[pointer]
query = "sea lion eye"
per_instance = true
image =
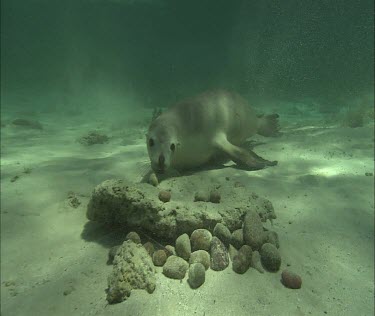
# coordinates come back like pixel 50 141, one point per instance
pixel 151 142
pixel 173 147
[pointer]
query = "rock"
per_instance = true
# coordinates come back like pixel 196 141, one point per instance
pixel 73 199
pixel 219 255
pixel 112 253
pixel 134 237
pixel 200 256
pixel 215 197
pixel 132 269
pixel 240 264
pixel 27 123
pixel 270 257
pixel 201 196
pixel 164 196
pixel 242 260
pixel 170 250
pixel 256 262
pixel 69 290
pixel 124 203
pixel 201 240
pixel 232 252
pixel 237 238
pixel 175 267
pixel 253 233
pixel 247 251
pixel 183 247
pixel 159 258
pixel 93 138
pixel 153 180
pixel 272 238
pixel 266 211
pixel 291 280
pixel 15 178
pixel 149 248
pixel 222 232
pixel 197 275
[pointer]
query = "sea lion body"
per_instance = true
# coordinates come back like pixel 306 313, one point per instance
pixel 205 128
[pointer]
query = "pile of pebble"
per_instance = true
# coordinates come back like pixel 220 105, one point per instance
pixel 251 246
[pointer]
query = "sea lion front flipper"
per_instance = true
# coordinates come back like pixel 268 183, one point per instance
pixel 246 159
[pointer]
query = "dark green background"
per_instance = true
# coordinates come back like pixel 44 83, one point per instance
pixel 163 50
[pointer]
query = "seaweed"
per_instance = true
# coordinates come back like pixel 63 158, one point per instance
pixel 156 113
pixel 93 138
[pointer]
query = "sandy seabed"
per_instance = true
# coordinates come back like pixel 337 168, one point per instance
pixel 54 263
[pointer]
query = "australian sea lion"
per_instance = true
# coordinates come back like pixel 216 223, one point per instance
pixel 209 127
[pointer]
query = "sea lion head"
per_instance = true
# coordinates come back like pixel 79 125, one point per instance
pixel 161 146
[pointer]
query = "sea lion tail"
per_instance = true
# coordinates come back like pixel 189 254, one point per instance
pixel 269 125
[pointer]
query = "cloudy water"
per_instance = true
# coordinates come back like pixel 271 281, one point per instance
pixel 81 82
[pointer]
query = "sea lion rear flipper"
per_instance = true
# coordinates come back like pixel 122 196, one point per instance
pixel 259 159
pixel 246 159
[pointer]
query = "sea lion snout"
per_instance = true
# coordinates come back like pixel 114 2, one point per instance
pixel 161 163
